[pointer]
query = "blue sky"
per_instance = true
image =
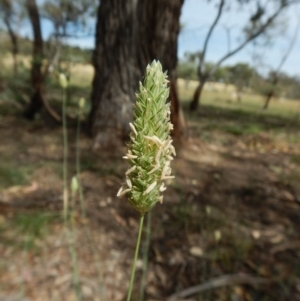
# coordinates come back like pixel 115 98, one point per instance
pixel 196 17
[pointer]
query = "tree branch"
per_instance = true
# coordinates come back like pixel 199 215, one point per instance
pixel 202 57
pixel 250 38
pixel 286 55
pixel 225 280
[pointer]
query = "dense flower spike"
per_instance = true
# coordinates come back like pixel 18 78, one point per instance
pixel 150 149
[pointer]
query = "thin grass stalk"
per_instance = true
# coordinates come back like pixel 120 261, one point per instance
pixel 70 234
pixel 207 228
pixel 150 150
pixel 78 168
pixel 70 230
pixel 137 247
pixel 97 261
pixel 73 252
pixel 24 264
pixel 83 207
pixel 145 255
pixel 65 157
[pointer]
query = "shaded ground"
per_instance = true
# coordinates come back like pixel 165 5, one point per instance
pixel 233 208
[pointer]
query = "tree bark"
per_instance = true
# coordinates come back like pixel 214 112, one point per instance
pixel 36 101
pixel 272 92
pixel 158 35
pixel 268 99
pixel 197 94
pixel 129 35
pixel 116 76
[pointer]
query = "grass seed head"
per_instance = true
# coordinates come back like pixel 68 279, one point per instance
pixel 74 185
pixel 150 148
pixel 63 82
pixel 81 103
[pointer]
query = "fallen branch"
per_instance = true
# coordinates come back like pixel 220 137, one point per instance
pixel 51 111
pixel 224 280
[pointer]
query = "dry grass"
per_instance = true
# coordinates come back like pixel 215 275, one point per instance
pixel 214 94
pixel 220 95
pixel 81 75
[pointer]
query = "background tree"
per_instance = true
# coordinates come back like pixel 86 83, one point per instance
pixel 186 71
pixel 160 42
pixel 129 35
pixel 259 22
pixel 68 19
pixel 240 75
pixel 274 75
pixel 37 80
pixel 10 18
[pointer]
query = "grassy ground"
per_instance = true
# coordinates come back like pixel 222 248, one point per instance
pixel 221 96
pixel 232 210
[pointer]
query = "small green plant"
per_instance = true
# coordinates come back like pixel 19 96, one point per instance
pixel 242 129
pixel 150 149
pixel 32 226
pixel 76 190
pixel 10 175
pixel 296 159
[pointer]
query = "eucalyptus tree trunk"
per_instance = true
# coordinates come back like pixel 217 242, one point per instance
pixel 158 34
pixel 271 93
pixel 116 75
pixel 129 35
pixel 197 95
pixel 36 101
pixel 267 101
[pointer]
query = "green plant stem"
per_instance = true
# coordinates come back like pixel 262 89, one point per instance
pixel 72 247
pixel 145 255
pixel 78 169
pixel 65 156
pixel 70 234
pixel 24 264
pixel 97 260
pixel 83 208
pixel 137 247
